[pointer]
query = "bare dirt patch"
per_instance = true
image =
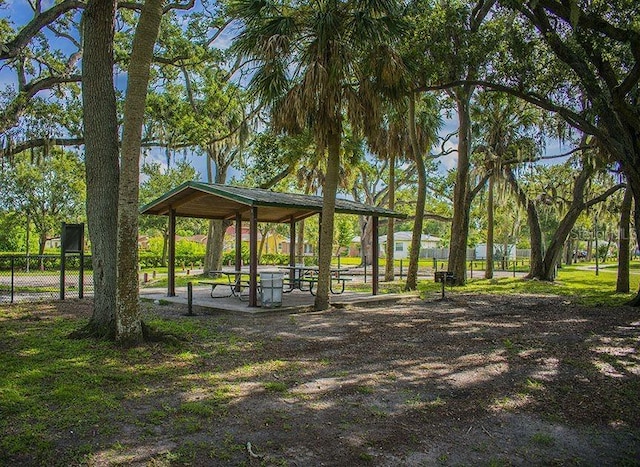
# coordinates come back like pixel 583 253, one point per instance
pixel 469 380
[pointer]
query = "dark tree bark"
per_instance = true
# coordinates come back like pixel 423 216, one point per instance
pixel 416 233
pixel 366 251
pixel 488 271
pixel 533 221
pixel 217 227
pixel 461 194
pixel 390 246
pixel 101 160
pixel 546 269
pixel 329 191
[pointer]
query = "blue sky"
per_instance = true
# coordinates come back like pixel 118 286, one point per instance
pixel 19 12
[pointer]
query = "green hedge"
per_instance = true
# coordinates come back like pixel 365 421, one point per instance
pixel 148 259
pixel 276 259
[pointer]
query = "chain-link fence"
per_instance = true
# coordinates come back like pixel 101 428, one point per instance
pixel 44 277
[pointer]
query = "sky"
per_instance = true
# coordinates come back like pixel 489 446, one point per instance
pixel 18 12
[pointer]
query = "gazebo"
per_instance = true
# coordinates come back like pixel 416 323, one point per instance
pixel 226 202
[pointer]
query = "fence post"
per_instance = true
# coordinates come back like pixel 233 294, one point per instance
pixel 13 264
pixel 471 269
pixel 81 276
pixel 190 298
pixel 401 270
pixel 365 269
pixel 62 272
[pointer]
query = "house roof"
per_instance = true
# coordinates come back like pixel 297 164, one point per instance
pixel 407 236
pixel 402 236
pixel 215 201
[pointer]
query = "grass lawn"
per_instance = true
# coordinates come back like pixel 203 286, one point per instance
pixel 353 387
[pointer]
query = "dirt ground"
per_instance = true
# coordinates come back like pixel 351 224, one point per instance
pixel 468 380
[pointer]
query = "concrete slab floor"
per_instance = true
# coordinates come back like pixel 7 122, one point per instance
pixel 295 301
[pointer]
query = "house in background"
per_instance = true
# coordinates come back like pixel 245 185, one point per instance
pixel 402 241
pixel 500 251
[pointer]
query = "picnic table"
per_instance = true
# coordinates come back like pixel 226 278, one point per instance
pixel 304 278
pixel 231 279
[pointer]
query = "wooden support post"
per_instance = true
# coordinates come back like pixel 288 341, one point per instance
pixel 171 276
pixel 253 258
pixel 292 242
pixel 375 266
pixel 238 258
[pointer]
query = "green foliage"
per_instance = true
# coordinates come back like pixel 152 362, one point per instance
pixel 157 181
pixel 274 258
pixel 187 248
pixel 229 257
pixel 49 190
pixel 345 229
pixel 12 231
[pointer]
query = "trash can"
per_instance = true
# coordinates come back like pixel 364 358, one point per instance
pixel 271 289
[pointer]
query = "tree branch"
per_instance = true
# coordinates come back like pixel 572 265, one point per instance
pixel 605 195
pixel 572 117
pixel 130 6
pixel 38 143
pixel 12 48
pixel 179 6
pixel 14 109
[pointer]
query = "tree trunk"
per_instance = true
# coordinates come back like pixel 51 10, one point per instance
pixel 128 314
pixel 42 242
pixel 215 243
pixel 326 226
pixel 488 271
pixel 633 181
pixel 533 221
pixel 366 251
pixel 390 247
pixel 622 283
pixel 554 251
pixel 165 248
pixel 461 201
pixel 300 241
pixel 421 195
pixel 101 161
pixel 217 228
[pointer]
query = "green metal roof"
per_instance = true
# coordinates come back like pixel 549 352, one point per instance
pixel 214 201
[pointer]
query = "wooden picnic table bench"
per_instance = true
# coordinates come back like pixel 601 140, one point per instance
pixel 233 280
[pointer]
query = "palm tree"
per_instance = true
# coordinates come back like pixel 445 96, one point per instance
pixel 128 314
pixel 504 128
pixel 390 142
pixel 306 57
pixel 423 127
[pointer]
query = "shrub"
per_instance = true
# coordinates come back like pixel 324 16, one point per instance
pixel 277 259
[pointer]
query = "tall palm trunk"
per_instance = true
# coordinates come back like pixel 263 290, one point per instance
pixel 461 201
pixel 128 315
pixel 390 247
pixel 416 236
pixel 326 227
pixel 488 271
pixel 101 160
